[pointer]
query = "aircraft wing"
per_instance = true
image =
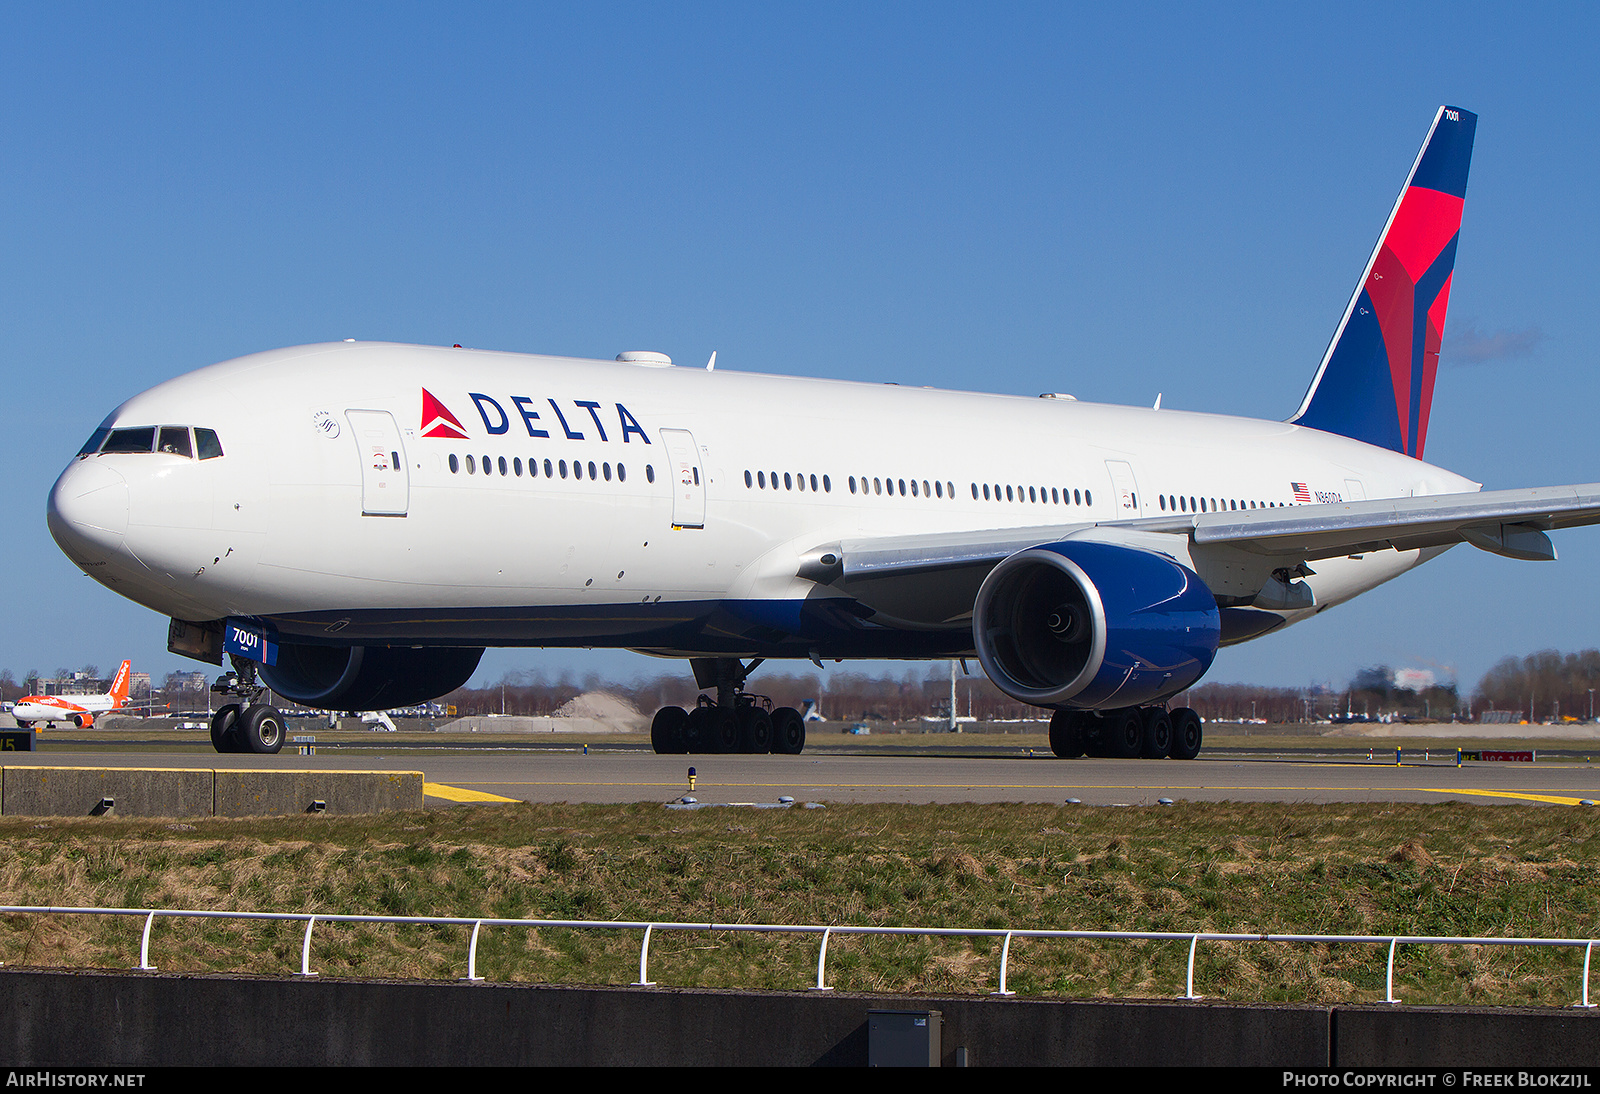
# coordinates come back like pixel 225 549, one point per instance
pixel 932 580
pixel 1505 522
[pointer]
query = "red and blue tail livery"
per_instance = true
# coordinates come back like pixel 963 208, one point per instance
pixel 1376 380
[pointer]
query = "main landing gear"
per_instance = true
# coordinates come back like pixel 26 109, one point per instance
pixel 732 722
pixel 1128 733
pixel 249 726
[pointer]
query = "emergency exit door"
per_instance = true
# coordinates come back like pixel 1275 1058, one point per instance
pixel 385 483
pixel 1124 489
pixel 688 479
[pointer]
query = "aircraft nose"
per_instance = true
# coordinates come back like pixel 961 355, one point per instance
pixel 88 510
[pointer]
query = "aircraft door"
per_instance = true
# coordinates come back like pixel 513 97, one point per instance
pixel 1123 488
pixel 385 481
pixel 688 479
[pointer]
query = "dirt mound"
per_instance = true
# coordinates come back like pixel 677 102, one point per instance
pixel 598 704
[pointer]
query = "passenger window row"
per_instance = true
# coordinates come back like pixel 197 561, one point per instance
pixel 489 465
pixel 1037 495
pixel 890 486
pixel 174 440
pixel 768 480
pixel 1180 504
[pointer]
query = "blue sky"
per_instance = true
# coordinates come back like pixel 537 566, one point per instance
pixel 1020 198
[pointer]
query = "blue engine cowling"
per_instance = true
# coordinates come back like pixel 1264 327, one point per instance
pixel 367 677
pixel 1094 626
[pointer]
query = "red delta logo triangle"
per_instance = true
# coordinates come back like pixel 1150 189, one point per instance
pixel 437 421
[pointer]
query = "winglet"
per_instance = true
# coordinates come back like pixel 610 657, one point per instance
pixel 1375 383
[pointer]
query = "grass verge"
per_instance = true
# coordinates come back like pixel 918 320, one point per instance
pixel 1447 869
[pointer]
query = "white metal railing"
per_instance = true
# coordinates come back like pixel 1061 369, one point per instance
pixel 1194 938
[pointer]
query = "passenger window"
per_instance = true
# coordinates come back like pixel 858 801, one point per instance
pixel 502 465
pixel 516 465
pixel 622 473
pixel 649 472
pixel 563 467
pixel 548 469
pixel 175 441
pixel 455 464
pixel 471 467
pixel 748 480
pixel 131 440
pixel 606 467
pixel 813 484
pixel 591 470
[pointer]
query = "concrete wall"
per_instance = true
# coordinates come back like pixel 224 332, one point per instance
pixel 146 1020
pixel 198 792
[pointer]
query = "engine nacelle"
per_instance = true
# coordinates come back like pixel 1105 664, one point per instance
pixel 1094 626
pixel 368 677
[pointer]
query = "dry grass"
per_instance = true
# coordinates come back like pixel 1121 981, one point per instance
pixel 1342 869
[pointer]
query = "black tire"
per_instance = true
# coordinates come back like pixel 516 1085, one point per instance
pixel 222 727
pixel 722 730
pixel 1124 733
pixel 755 730
pixel 260 729
pixel 1066 734
pixel 1187 732
pixel 695 731
pixel 1156 740
pixel 667 731
pixel 788 731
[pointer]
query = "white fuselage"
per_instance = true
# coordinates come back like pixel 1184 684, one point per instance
pixel 62 708
pixel 658 543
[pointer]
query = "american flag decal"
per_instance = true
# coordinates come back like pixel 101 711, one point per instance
pixel 1300 492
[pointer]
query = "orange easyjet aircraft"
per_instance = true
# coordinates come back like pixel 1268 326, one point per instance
pixel 77 709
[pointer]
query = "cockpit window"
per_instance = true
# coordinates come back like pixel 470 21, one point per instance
pixel 206 441
pixel 96 439
pixel 174 441
pixel 131 440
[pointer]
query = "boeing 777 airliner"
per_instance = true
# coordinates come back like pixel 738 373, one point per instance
pixel 1093 558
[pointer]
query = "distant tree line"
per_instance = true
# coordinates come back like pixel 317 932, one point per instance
pixel 1544 686
pixel 843 696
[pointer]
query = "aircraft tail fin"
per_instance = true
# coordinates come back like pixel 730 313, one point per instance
pixel 119 686
pixel 1375 383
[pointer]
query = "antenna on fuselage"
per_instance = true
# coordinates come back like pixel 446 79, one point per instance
pixel 1158 402
pixel 711 365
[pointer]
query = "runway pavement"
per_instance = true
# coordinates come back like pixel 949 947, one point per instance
pixel 636 775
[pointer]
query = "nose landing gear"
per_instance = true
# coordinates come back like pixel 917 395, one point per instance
pixel 249 726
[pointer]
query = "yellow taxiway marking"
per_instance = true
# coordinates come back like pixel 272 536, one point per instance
pixel 704 783
pixel 1551 799
pixel 456 794
pixel 439 790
